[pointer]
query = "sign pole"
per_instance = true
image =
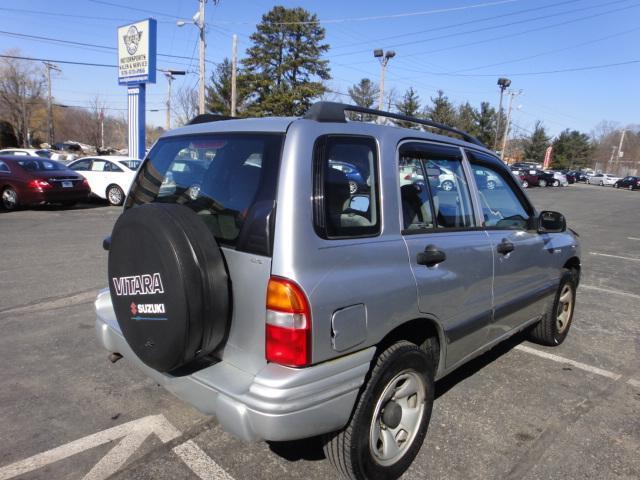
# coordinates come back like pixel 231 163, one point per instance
pixel 137 137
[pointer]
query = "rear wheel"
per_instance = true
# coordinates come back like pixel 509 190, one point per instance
pixel 630 187
pixel 601 183
pixel 115 195
pixel 9 198
pixel 447 185
pixel 556 183
pixel 353 187
pixel 554 326
pixel 390 419
pixel 543 183
pixel 491 185
pixel 525 184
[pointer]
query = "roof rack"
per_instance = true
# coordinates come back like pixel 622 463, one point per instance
pixel 335 112
pixel 208 117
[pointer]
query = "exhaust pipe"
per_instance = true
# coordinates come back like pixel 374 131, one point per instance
pixel 114 357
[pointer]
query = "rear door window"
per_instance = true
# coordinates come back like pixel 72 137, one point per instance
pixel 227 179
pixel 4 167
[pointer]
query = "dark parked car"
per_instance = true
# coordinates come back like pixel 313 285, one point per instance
pixel 357 183
pixel 31 181
pixel 580 176
pixel 544 178
pixel 629 182
pixel 527 179
pixel 571 176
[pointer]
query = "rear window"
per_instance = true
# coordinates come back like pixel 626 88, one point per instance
pixel 43 153
pixel 227 179
pixel 40 165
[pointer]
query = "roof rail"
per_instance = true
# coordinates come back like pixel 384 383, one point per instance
pixel 208 117
pixel 335 112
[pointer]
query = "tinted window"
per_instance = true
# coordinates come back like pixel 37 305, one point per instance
pixel 499 200
pixel 132 164
pixel 4 167
pixel 225 178
pixel 81 164
pixel 40 165
pixel 443 176
pixel 346 187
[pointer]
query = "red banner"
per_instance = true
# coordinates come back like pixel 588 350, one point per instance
pixel 547 158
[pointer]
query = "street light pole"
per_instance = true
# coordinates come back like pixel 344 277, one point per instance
pixel 234 73
pixel 384 60
pixel 503 83
pixel 170 74
pixel 49 67
pixel 198 21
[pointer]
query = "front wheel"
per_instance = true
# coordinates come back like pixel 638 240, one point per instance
pixel 9 198
pixel 115 195
pixel 556 183
pixel 615 185
pixel 525 184
pixel 554 326
pixel 543 183
pixel 630 187
pixel 390 419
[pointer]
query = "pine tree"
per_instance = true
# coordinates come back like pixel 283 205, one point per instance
pixel 441 110
pixel 363 94
pixel 486 124
pixel 467 119
pixel 536 145
pixel 283 68
pixel 218 92
pixel 410 106
pixel 571 149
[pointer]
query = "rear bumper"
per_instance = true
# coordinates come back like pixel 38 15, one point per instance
pixel 56 196
pixel 277 403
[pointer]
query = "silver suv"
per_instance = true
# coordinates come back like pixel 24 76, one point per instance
pixel 313 276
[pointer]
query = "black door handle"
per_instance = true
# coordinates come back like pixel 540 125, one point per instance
pixel 505 246
pixel 431 256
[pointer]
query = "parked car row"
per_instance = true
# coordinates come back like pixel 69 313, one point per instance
pixel 535 177
pixel 29 179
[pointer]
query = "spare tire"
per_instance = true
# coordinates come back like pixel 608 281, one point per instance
pixel 169 285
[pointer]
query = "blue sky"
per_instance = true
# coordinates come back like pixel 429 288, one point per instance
pixel 459 46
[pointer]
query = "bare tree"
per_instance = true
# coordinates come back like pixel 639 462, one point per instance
pixel 186 105
pixel 21 85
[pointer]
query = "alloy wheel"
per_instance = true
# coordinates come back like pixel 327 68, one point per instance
pixel 9 198
pixel 565 308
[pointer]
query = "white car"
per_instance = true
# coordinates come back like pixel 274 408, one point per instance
pixel 109 177
pixel 602 179
pixel 31 152
pixel 559 178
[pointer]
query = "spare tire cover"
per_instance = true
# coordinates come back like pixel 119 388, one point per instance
pixel 169 285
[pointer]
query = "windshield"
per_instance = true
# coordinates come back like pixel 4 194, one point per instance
pixel 131 164
pixel 40 165
pixel 219 176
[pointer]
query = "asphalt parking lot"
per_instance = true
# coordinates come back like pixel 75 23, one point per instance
pixel 519 412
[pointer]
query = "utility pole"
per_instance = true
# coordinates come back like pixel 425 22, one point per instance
pixel 49 67
pixel 170 74
pixel 234 73
pixel 512 95
pixel 102 129
pixel 198 21
pixel 620 151
pixel 503 83
pixel 384 58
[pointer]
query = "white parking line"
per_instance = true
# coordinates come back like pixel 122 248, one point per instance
pixel 634 382
pixel 633 259
pixel 633 238
pixel 573 363
pixel 609 291
pixel 199 462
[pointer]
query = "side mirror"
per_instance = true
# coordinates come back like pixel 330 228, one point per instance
pixel 551 222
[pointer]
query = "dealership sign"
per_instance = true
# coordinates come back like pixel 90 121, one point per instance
pixel 137 52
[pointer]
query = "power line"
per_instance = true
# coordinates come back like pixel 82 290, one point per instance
pixel 494 27
pixel 82 44
pixel 461 24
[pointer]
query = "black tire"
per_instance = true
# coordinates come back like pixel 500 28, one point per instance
pixel 69 204
pixel 615 185
pixel 542 183
pixel 556 183
pixel 115 195
pixel 169 285
pixel 549 331
pixel 350 451
pixel 630 187
pixel 447 186
pixel 10 199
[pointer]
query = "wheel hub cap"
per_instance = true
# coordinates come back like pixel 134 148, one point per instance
pixel 565 308
pixel 397 417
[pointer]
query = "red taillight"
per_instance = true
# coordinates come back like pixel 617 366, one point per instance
pixel 288 329
pixel 38 184
pixel 85 183
pixel 407 177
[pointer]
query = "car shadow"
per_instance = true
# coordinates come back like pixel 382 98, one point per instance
pixel 88 205
pixel 310 449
